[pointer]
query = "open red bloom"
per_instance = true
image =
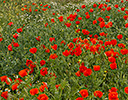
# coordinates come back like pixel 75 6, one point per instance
pixel 23 73
pixel 57 86
pixel 15 44
pixel 113 66
pixel 120 36
pixel 113 96
pixel 124 51
pixel 10 24
pixel 43 87
pixel 34 91
pixel 33 50
pixel 83 6
pixel 42 97
pixel 78 73
pixel 126 90
pixel 112 59
pixel 44 71
pixel 14 87
pixel 84 93
pixel 42 62
pixel 54 47
pixel 66 53
pixel 96 67
pixel 53 56
pixel 113 89
pixel 82 68
pixel 10 47
pixel 85 32
pixel 87 72
pixel 15 36
pixel 98 94
pixel 19 30
pixel 4 94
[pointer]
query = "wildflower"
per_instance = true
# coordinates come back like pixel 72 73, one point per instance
pixel 98 94
pixel 42 62
pixel 34 91
pixel 19 30
pixel 126 90
pixel 84 93
pixel 44 71
pixel 113 66
pixel 33 50
pixel 96 67
pixel 42 97
pixel 23 73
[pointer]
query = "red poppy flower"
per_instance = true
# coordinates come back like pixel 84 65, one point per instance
pixel 83 6
pixel 94 5
pixel 42 62
pixel 15 36
pixel 66 53
pixel 68 24
pixel 112 59
pixel 21 99
pixel 78 73
pixel 4 94
pixel 23 73
pixel 120 36
pixel 126 25
pixel 122 9
pixel 96 67
pixel 113 89
pixel 102 24
pixel 87 72
pixel 10 24
pixel 124 51
pixel 3 78
pixel 57 86
pixel 87 16
pixel 43 87
pixel 113 66
pixel 108 8
pixel 84 93
pixel 51 39
pixel 113 96
pixel 44 71
pixel 10 47
pixel 38 38
pixel 126 90
pixel 33 50
pixel 53 56
pixel 77 22
pixel 98 94
pixel 94 22
pixel 121 45
pixel 77 51
pixel 54 47
pixel 78 10
pixel 116 5
pixel 42 97
pixel 85 32
pixel 79 18
pixel 19 30
pixel 82 68
pixel 34 91
pixel 52 20
pixel 15 44
pixel 14 87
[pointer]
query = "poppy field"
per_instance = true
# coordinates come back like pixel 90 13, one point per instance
pixel 69 51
